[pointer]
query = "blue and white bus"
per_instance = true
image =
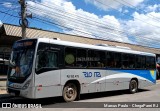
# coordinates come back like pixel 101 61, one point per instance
pixel 42 67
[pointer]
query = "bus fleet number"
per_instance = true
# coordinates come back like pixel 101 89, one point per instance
pixel 92 74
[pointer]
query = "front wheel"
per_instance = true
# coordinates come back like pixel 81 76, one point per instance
pixel 133 86
pixel 69 92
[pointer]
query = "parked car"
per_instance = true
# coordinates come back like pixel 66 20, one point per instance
pixel 158 70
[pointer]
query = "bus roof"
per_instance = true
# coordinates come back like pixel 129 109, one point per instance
pixel 81 45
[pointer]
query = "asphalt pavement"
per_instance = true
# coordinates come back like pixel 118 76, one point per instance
pixel 149 94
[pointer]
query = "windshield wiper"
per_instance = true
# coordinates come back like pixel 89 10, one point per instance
pixel 13 77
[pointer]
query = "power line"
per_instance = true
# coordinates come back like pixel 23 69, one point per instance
pixel 64 15
pixel 89 25
pixel 11 8
pixel 9 14
pixel 14 2
pixel 83 17
pixel 77 30
pixel 5 19
pixel 103 38
pixel 92 34
pixel 127 14
pixel 80 17
pixel 155 44
pixel 83 32
pixel 138 9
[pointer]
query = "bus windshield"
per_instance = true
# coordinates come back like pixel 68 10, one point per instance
pixel 21 61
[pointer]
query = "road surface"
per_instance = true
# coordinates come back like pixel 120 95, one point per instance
pixel 149 94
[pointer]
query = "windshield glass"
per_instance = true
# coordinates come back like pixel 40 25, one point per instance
pixel 21 61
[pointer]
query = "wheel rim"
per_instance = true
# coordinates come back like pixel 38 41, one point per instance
pixel 70 92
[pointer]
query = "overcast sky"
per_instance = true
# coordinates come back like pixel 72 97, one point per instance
pixel 131 21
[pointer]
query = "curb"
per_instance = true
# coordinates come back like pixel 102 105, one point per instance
pixel 3 79
pixel 158 82
pixel 3 92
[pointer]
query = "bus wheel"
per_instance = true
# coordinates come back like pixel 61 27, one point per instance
pixel 69 92
pixel 133 86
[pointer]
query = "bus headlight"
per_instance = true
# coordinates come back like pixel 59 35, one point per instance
pixel 26 85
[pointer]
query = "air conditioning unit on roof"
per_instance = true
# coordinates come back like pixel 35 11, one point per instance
pixel 56 38
pixel 106 45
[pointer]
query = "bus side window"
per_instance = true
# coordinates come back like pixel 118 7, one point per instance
pixel 113 60
pixel 47 59
pixel 70 57
pixel 81 58
pixel 125 60
pixel 128 61
pixel 96 59
pixel 117 60
pixel 42 59
pixel 150 63
pixel 52 59
pixel 110 59
pixel 153 65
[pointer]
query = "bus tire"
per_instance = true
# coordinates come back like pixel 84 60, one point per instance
pixel 133 86
pixel 70 92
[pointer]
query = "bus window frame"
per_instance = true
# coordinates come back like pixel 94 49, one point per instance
pixel 63 65
pixel 75 48
pixel 42 70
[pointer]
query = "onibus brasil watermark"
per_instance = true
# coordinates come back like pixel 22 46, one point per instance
pixel 13 105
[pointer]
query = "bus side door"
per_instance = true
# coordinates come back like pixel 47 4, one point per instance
pixel 47 78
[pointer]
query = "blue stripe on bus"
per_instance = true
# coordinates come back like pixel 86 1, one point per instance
pixel 148 74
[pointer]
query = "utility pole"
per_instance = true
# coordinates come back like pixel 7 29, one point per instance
pixel 23 21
